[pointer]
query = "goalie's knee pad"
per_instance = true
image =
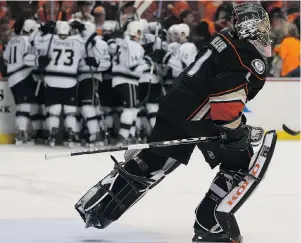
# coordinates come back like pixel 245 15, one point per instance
pixel 230 189
pixel 124 186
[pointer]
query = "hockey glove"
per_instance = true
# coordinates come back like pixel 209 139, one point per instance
pixel 91 61
pixel 238 138
pixel 157 55
pixel 47 28
pixel 43 61
pixel 241 138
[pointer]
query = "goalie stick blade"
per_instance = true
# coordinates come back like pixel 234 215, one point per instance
pixel 289 131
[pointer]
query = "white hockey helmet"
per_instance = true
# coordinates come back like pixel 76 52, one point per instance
pixel 134 29
pixel 90 28
pixel 171 33
pixel 144 24
pixel 152 26
pixel 29 25
pixel 62 28
pixel 182 30
pixel 109 26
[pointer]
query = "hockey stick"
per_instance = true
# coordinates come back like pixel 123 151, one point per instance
pixel 134 146
pixel 289 131
pixel 142 7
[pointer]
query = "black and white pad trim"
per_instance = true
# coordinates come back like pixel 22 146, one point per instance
pixel 259 165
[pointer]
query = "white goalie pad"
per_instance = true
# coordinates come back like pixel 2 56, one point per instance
pixel 258 168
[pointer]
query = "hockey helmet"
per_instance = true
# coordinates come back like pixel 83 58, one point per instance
pixel 171 37
pixel 153 26
pixel 90 28
pixel 29 25
pixel 250 21
pixel 62 28
pixel 182 32
pixel 109 26
pixel 134 29
pixel 144 24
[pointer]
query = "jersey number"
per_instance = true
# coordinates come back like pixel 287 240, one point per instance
pixel 68 53
pixel 13 55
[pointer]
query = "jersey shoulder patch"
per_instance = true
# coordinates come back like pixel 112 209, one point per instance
pixel 258 65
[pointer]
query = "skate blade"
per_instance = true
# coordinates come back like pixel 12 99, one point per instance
pixel 52 144
pixel 31 143
pixel 73 145
pixel 18 142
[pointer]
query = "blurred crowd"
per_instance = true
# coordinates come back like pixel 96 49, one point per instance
pixel 138 48
pixel 204 18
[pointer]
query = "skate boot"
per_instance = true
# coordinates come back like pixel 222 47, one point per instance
pixel 95 140
pixel 122 141
pixel 72 138
pixel 40 137
pixel 205 236
pixel 21 137
pixel 52 139
pixel 133 140
pixel 138 137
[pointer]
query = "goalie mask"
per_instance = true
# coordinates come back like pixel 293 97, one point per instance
pixel 250 21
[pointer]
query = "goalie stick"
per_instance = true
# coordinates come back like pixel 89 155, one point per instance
pixel 289 131
pixel 133 147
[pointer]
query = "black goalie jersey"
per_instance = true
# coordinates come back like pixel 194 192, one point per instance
pixel 216 86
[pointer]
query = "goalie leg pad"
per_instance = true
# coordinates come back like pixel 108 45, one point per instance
pixel 238 195
pixel 122 188
pixel 228 191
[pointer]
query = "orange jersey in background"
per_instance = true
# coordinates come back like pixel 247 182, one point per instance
pixel 289 52
pixel 292 17
pixel 273 4
pixel 208 9
pixel 44 13
pixel 179 7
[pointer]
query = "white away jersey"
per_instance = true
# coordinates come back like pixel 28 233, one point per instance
pixel 65 57
pixel 127 65
pixel 100 52
pixel 14 53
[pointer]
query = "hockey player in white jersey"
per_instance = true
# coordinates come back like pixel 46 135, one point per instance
pixel 187 50
pixel 95 61
pixel 111 104
pixel 126 72
pixel 149 82
pixel 171 45
pixel 60 77
pixel 20 78
pixel 181 53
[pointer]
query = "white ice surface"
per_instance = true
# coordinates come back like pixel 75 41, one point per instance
pixel 45 192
